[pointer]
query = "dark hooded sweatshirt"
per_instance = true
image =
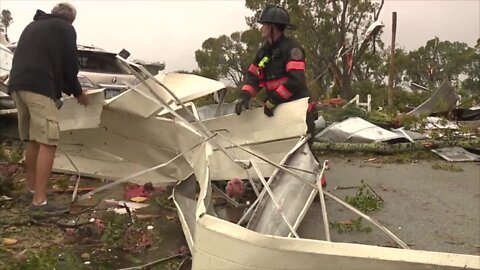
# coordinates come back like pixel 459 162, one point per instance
pixel 45 60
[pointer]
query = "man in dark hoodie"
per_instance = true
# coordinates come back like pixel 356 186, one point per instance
pixel 45 65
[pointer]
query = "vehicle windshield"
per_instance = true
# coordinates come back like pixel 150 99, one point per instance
pixel 100 62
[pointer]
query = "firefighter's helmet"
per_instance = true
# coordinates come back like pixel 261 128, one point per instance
pixel 275 15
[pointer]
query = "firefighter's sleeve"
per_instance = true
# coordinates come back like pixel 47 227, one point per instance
pixel 253 77
pixel 296 80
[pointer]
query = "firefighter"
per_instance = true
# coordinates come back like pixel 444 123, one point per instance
pixel 279 67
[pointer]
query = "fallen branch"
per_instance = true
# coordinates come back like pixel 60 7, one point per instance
pixel 67 190
pixel 384 148
pixel 65 225
pixel 147 216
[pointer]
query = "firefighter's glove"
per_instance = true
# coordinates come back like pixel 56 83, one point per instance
pixel 268 108
pixel 243 103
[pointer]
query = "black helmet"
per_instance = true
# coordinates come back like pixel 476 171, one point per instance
pixel 275 15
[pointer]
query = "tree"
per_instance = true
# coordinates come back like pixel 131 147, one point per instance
pixel 472 83
pixel 330 31
pixel 6 20
pixel 228 57
pixel 437 61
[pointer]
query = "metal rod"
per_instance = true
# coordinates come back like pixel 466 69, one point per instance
pixel 322 202
pixel 269 191
pixel 299 177
pixel 203 129
pixel 290 167
pixel 77 184
pixel 302 214
pixel 220 103
pixel 249 209
pixel 274 164
pixel 252 183
pixel 226 197
pixel 259 198
pixel 371 220
pixel 249 177
pixel 107 186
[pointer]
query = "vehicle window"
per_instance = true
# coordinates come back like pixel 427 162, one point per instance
pixel 100 62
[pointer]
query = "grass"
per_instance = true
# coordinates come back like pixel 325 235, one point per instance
pixel 350 225
pixel 10 155
pixel 49 258
pixel 365 199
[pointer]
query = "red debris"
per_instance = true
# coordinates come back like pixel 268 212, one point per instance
pixel 333 102
pixel 235 188
pixel 323 181
pixel 145 241
pixel 135 190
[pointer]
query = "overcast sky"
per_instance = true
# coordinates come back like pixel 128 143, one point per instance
pixel 171 31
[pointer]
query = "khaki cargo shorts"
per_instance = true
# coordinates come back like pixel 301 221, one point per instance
pixel 37 117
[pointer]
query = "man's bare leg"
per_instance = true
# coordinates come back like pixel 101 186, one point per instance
pixel 31 162
pixel 46 154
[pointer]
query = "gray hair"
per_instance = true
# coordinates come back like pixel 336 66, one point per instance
pixel 65 10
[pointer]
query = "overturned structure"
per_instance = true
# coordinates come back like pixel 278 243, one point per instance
pixel 153 132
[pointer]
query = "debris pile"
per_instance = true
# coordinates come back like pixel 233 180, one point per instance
pixel 438 125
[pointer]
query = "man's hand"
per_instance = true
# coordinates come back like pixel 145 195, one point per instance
pixel 268 108
pixel 83 99
pixel 243 102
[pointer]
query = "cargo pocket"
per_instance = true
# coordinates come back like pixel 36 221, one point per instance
pixel 53 130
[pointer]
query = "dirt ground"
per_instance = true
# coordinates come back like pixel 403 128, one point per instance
pixel 427 205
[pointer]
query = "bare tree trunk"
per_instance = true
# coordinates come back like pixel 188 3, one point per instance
pixel 391 69
pixel 347 92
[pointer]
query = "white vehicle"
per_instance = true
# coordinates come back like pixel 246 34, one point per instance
pixel 6 57
pixel 102 68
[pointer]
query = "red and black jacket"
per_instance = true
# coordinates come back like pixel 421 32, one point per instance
pixel 280 68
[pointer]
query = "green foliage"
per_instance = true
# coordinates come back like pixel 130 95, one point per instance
pixel 228 57
pixel 365 199
pixel 437 61
pixel 6 183
pixel 340 114
pixel 379 117
pixel 10 154
pixel 472 84
pixel 120 232
pixel 377 90
pixel 411 122
pixel 408 157
pixel 51 258
pixel 350 225
pixel 166 203
pixel 406 101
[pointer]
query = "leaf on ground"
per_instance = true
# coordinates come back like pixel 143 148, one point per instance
pixel 9 241
pixel 138 199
